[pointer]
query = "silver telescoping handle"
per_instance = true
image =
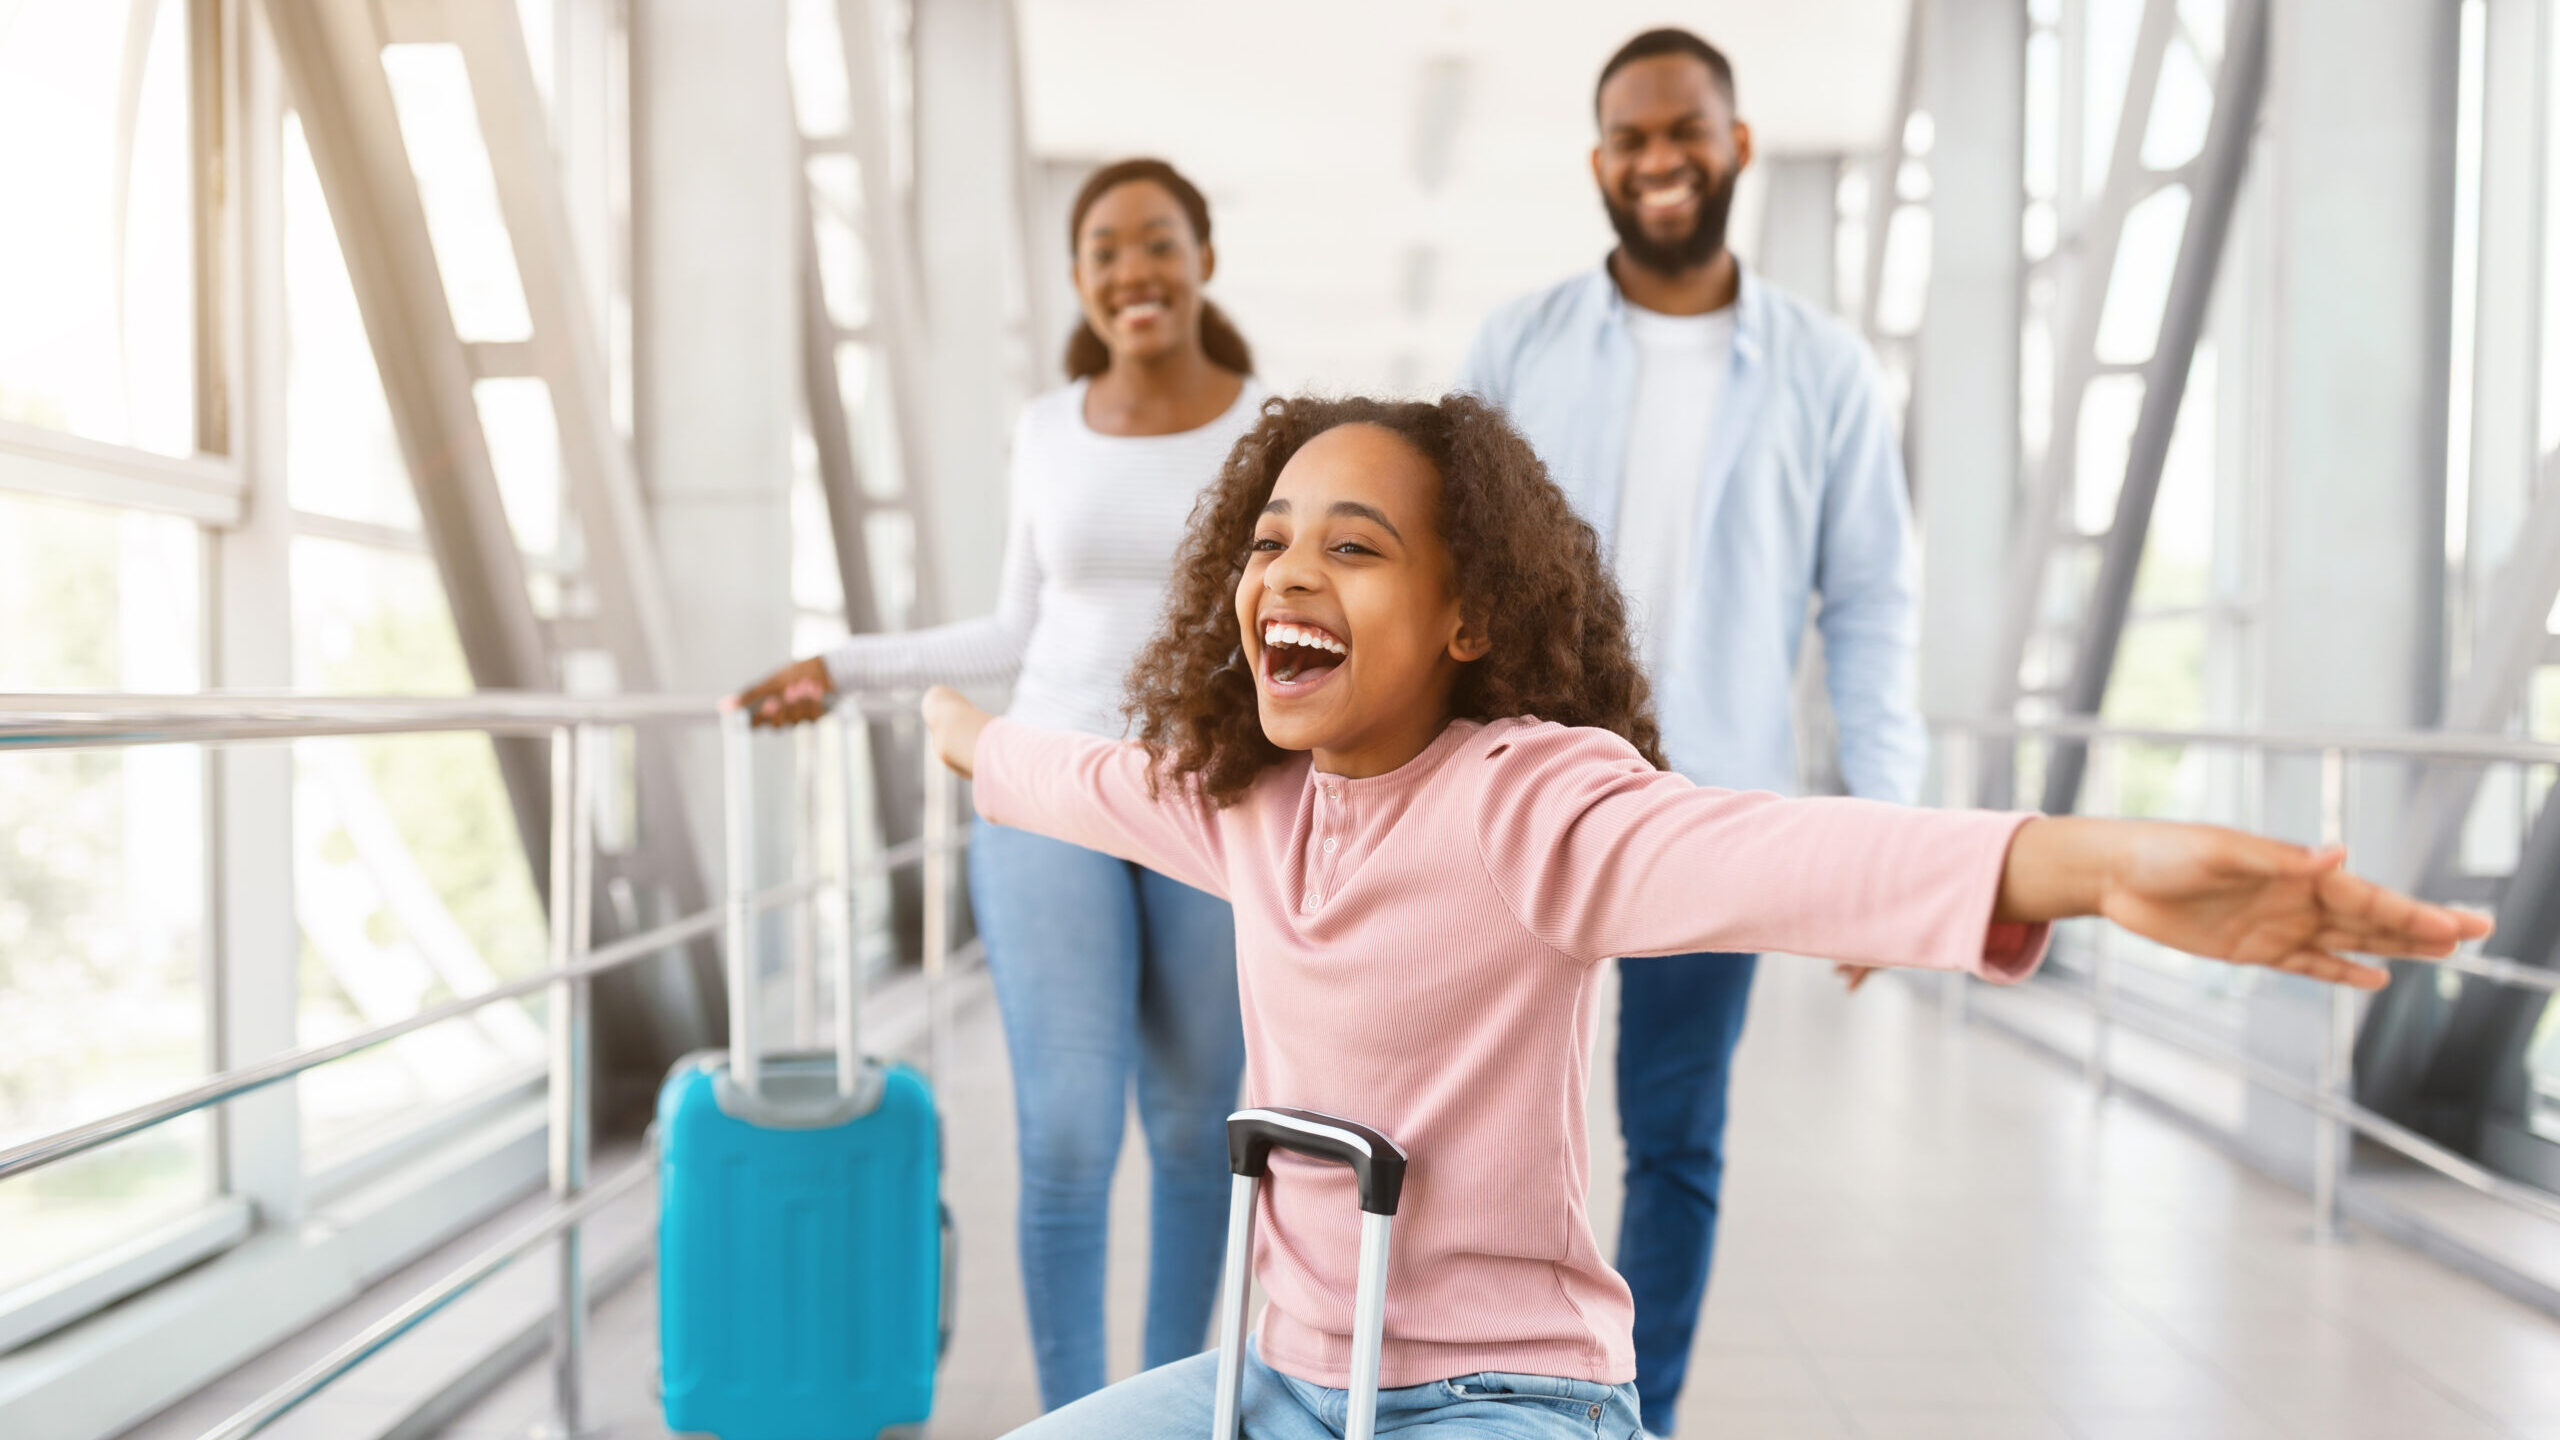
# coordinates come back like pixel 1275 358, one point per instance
pixel 941 805
pixel 1377 1165
pixel 737 811
pixel 840 914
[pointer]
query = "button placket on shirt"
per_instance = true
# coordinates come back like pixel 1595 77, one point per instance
pixel 1332 817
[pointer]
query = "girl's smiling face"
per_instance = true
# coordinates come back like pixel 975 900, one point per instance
pixel 1348 605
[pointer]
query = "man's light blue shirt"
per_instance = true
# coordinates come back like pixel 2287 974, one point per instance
pixel 1802 496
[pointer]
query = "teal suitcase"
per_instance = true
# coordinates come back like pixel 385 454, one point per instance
pixel 803 1248
pixel 800 1254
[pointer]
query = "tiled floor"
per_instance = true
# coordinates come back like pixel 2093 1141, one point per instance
pixel 1929 1232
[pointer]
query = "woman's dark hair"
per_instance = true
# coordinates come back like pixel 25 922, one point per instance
pixel 1528 573
pixel 1086 354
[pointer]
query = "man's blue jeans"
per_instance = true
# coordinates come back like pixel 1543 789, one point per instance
pixel 1679 1018
pixel 1107 974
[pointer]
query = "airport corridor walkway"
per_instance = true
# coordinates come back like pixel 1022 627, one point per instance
pixel 1930 1232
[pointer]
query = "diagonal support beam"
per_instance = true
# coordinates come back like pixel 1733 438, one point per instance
pixel 2513 641
pixel 2216 193
pixel 2085 303
pixel 897 308
pixel 331 55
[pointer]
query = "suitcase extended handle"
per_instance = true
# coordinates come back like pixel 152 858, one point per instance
pixel 1377 1164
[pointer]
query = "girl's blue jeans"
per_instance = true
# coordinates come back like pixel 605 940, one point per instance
pixel 1178 1402
pixel 1109 974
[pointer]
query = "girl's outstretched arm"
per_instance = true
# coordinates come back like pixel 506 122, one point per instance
pixel 1078 788
pixel 2223 894
pixel 956 725
pixel 1599 854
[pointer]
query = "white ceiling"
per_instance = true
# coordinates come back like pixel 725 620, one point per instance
pixel 1302 122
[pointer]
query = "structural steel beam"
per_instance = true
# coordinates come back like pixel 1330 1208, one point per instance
pixel 331 52
pixel 2084 304
pixel 2213 196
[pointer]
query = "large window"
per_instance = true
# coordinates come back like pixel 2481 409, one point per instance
pixel 97 329
pixel 406 881
pixel 102 905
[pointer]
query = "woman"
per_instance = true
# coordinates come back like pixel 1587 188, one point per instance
pixel 1105 972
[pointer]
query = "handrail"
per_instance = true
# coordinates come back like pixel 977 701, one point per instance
pixel 2329 1097
pixel 2455 745
pixel 275 1404
pixel 116 719
pixel 229 1084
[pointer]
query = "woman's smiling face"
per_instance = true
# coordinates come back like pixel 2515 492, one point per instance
pixel 1138 271
pixel 1348 606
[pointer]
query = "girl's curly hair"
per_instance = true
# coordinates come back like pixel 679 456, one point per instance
pixel 1529 577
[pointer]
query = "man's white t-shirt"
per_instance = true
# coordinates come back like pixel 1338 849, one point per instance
pixel 1681 363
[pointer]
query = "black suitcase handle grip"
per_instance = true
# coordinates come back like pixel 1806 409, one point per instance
pixel 1376 1162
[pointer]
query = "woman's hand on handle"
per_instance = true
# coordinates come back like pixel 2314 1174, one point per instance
pixel 2225 895
pixel 955 724
pixel 793 695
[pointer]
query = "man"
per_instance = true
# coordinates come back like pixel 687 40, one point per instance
pixel 1732 445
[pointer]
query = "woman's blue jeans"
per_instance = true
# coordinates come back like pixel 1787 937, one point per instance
pixel 1108 974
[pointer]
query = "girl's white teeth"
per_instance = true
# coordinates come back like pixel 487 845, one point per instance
pixel 1278 634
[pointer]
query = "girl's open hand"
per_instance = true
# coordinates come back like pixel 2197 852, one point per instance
pixel 955 724
pixel 793 695
pixel 2226 895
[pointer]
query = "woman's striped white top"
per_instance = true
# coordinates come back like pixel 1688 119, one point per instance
pixel 1088 559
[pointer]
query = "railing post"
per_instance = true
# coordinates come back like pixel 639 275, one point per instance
pixel 2331 1139
pixel 572 934
pixel 1959 786
pixel 737 806
pixel 841 917
pixel 940 800
pixel 2107 760
pixel 804 844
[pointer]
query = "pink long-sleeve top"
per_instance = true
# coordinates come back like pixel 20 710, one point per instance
pixel 1419 951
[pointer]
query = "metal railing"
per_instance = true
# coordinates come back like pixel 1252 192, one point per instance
pixel 2329 1096
pixel 576 728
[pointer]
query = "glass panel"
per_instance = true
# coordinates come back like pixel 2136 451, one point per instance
pixel 440 126
pixel 2110 28
pixel 101 882
pixel 844 267
pixel 524 448
pixel 97 284
pixel 817 69
pixel 2180 110
pixel 816 584
pixel 410 881
pixel 864 383
pixel 2146 258
pixel 342 457
pixel 371 622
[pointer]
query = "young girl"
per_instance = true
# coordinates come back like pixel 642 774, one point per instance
pixel 1393 716
pixel 1111 977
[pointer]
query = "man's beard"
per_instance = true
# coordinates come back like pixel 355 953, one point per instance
pixel 1703 242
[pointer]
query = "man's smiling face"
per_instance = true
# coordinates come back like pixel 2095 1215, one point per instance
pixel 1670 152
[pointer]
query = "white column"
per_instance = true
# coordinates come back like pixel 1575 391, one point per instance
pixel 255 939
pixel 2507 359
pixel 1963 421
pixel 966 199
pixel 716 324
pixel 2361 117
pixel 1800 226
